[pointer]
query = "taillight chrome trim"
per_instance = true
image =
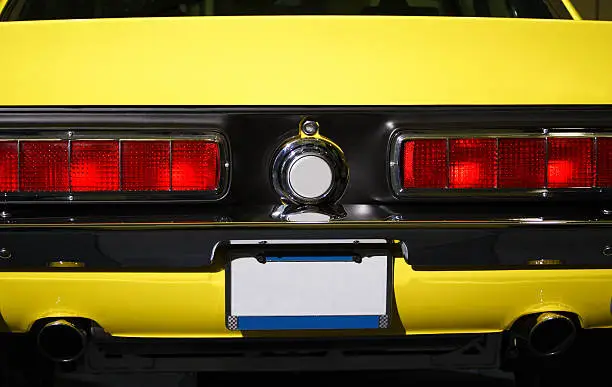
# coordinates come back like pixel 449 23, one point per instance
pixel 121 136
pixel 400 136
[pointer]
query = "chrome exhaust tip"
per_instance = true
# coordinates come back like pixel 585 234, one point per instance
pixel 62 341
pixel 551 334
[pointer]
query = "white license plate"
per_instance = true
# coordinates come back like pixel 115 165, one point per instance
pixel 308 292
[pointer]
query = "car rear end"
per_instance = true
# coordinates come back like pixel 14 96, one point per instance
pixel 304 192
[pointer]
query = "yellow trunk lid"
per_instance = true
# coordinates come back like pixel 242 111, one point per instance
pixel 305 60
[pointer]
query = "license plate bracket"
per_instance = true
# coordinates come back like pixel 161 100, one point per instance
pixel 309 286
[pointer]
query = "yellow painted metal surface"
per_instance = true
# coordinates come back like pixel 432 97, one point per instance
pixel 306 60
pixel 193 304
pixel 2 4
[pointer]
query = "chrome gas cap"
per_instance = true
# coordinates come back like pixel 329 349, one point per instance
pixel 309 168
pixel 310 176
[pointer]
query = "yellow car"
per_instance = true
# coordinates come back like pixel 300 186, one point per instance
pixel 304 184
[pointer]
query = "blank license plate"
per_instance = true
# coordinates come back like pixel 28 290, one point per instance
pixel 308 292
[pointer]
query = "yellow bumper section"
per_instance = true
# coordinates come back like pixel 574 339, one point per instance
pixel 193 304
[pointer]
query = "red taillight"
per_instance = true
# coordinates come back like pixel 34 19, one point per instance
pixel 604 162
pixel 570 162
pixel 195 165
pixel 522 162
pixel 145 165
pixel 9 166
pixel 43 166
pixel 99 166
pixel 555 162
pixel 94 166
pixel 473 163
pixel 425 164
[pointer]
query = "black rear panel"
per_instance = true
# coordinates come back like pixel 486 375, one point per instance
pixel 467 248
pixel 363 133
pixel 440 233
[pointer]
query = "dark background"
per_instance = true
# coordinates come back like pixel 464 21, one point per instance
pixel 317 379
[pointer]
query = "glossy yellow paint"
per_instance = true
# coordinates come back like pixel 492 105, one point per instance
pixel 2 4
pixel 306 60
pixel 193 304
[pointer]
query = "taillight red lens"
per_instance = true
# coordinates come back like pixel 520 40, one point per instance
pixel 9 166
pixel 604 162
pixel 473 163
pixel 425 164
pixel 44 166
pixel 522 163
pixel 90 166
pixel 570 162
pixel 195 165
pixel 145 165
pixel 554 162
pixel 94 166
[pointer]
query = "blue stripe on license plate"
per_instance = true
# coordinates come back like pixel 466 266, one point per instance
pixel 311 259
pixel 250 323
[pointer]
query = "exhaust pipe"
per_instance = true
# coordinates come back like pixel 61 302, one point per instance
pixel 62 341
pixel 550 334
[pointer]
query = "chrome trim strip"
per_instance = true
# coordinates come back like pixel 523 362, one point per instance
pixel 69 134
pixel 425 224
pixel 170 150
pixel 18 168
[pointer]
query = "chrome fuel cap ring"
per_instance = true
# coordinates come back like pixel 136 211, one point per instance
pixel 309 170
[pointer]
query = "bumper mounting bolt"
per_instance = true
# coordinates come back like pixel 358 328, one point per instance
pixel 310 128
pixel 5 254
